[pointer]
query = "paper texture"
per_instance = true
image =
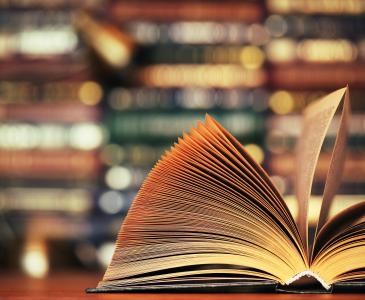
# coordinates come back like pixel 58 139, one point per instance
pixel 317 119
pixel 334 175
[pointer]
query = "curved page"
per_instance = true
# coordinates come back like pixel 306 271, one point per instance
pixel 317 119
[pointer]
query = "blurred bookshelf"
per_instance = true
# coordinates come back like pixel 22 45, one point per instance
pixel 93 92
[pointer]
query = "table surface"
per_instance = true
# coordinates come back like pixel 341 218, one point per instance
pixel 72 285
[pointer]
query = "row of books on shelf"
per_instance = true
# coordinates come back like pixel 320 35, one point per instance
pixel 175 10
pixel 57 98
pixel 327 7
pixel 62 40
pixel 278 50
pixel 196 32
pixel 25 145
pixel 74 166
pixel 37 34
pixel 132 9
pixel 46 4
pixel 78 203
pixel 288 76
pixel 23 30
pixel 238 33
pixel 299 26
pixel 137 126
pixel 142 98
pixel 66 91
pixel 238 10
pixel 55 70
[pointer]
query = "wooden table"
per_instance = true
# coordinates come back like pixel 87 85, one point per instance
pixel 71 286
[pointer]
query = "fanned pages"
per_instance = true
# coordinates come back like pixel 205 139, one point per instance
pixel 207 214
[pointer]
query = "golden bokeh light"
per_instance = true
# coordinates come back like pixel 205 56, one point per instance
pixel 90 93
pixel 252 57
pixel 34 261
pixel 256 152
pixel 281 102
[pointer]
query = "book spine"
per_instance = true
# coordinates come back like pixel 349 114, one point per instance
pixel 55 4
pixel 301 26
pixel 50 200
pixel 326 51
pixel 24 31
pixel 66 91
pixel 316 76
pixel 49 165
pixel 176 10
pixel 69 201
pixel 200 54
pixel 308 273
pixel 45 112
pixel 335 7
pixel 127 127
pixel 51 136
pixel 16 20
pixel 195 33
pixel 133 154
pixel 205 75
pixel 207 99
pixel 57 69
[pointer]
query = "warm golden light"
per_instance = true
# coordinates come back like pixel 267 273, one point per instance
pixel 256 152
pixel 281 50
pixel 222 76
pixel 90 93
pixel 317 6
pixel 281 102
pixel 105 253
pixel 312 50
pixel 47 41
pixel 112 45
pixel 340 203
pixel 327 51
pixel 252 57
pixel 35 260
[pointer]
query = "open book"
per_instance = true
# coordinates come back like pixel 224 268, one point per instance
pixel 208 216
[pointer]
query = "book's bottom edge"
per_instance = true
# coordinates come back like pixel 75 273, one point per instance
pixel 267 287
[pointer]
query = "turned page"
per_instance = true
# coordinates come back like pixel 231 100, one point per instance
pixel 336 166
pixel 317 118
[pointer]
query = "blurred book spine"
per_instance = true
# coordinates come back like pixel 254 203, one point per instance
pixel 153 126
pixel 194 98
pixel 327 7
pixel 27 92
pixel 176 10
pixel 202 32
pixel 209 75
pixel 51 164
